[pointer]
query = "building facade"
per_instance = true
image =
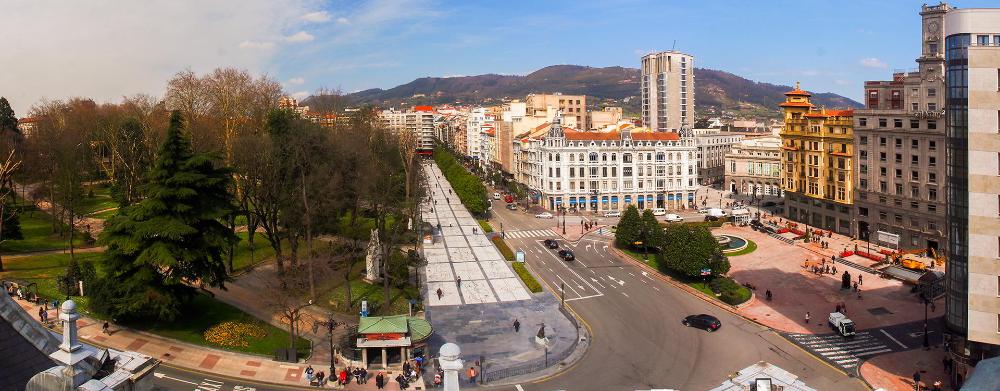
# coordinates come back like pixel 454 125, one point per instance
pixel 817 165
pixel 608 171
pixel 572 107
pixel 754 167
pixel 972 61
pixel 900 140
pixel 667 91
pixel 713 145
pixel 419 121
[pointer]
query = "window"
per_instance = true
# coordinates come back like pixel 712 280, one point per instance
pixel 882 215
pixel 899 158
pixel 983 40
pixel 931 92
pixel 862 121
pixel 931 124
pixel 914 124
pixel 864 168
pixel 915 192
pixel 882 171
pixel 882 122
pixel 881 141
pixel 899 173
pixel 915 106
pixel 626 158
pixel 932 161
pixel 863 140
pixel 898 218
pixel 864 183
pixel 931 208
pixel 899 189
pixel 932 145
pixel 914 143
pixel 899 143
pixel 914 159
pixel 881 156
pixel 626 171
pixel 897 123
pixel 914 175
pixel 863 155
pixel 932 106
pixel 863 212
pixel 932 194
pixel 898 202
pixel 883 186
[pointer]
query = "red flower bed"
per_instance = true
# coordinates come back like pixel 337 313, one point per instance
pixel 783 230
pixel 846 254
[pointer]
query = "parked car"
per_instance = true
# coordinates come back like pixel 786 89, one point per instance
pixel 511 206
pixel 496 196
pixel 659 211
pixel 566 255
pixel 544 215
pixel 703 210
pixel 674 218
pixel 702 321
pixel 613 213
pixel 551 243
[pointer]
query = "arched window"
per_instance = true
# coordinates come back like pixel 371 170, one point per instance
pixel 604 157
pixel 557 156
pixel 627 158
pixel 660 156
pixel 593 156
pixel 581 157
pixel 614 156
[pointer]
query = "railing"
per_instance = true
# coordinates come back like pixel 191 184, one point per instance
pixel 492 375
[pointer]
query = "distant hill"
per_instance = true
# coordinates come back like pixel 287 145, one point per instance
pixel 715 90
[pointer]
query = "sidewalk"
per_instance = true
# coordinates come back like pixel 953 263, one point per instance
pixel 894 371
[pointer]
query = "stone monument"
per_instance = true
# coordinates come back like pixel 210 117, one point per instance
pixel 373 260
pixel 451 364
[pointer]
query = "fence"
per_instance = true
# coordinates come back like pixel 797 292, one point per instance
pixel 495 374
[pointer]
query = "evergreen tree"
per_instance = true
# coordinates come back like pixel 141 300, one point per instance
pixel 172 237
pixel 629 228
pixel 8 121
pixel 652 233
pixel 689 249
pixel 11 223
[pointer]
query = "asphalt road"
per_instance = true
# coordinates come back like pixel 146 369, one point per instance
pixel 176 379
pixel 638 340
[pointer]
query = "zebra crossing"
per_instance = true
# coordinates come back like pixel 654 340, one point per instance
pixel 605 231
pixel 532 233
pixel 846 353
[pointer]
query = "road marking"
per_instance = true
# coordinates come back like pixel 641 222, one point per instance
pixel 584 297
pixel 630 273
pixel 626 294
pixel 518 387
pixel 598 283
pixel 567 284
pixel 162 376
pixel 657 289
pixel 893 339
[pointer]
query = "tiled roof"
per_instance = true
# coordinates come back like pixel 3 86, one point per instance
pixel 19 359
pixel 797 91
pixel 420 329
pixel 383 324
pixel 610 136
pixel 423 108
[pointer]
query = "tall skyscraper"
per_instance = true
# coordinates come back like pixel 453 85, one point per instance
pixel 972 69
pixel 668 91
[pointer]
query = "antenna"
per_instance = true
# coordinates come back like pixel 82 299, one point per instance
pixel 674 46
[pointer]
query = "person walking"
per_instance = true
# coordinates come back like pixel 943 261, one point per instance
pixel 472 375
pixel 768 295
pixel 807 317
pixel 106 328
pixel 517 326
pixel 861 279
pixel 440 293
pixel 41 314
pixel 916 380
pixel 380 380
pixel 459 282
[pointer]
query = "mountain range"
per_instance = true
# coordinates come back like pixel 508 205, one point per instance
pixel 715 91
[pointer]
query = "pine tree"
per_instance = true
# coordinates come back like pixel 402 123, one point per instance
pixel 652 233
pixel 172 238
pixel 8 121
pixel 629 228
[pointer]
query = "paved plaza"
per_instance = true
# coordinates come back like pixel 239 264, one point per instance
pixel 462 262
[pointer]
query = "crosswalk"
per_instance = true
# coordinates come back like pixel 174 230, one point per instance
pixel 605 231
pixel 533 233
pixel 844 352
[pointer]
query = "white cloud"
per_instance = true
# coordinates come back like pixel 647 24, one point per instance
pixel 343 20
pixel 300 36
pixel 256 45
pixel 295 81
pixel 104 50
pixel 872 62
pixel 316 17
pixel 300 95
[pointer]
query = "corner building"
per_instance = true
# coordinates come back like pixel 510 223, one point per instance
pixel 817 174
pixel 972 69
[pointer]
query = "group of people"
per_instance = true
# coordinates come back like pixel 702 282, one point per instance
pixel 360 375
pixel 316 379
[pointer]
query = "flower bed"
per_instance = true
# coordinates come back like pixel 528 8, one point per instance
pixel 234 334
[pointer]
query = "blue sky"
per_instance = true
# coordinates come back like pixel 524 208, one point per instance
pixel 107 49
pixel 827 45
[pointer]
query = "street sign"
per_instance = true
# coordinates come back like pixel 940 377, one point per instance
pixel 519 256
pixel 364 308
pixel 637 243
pixel 706 272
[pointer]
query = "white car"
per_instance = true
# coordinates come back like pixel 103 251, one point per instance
pixel 703 210
pixel 613 213
pixel 544 215
pixel 674 218
pixel 659 211
pixel 496 196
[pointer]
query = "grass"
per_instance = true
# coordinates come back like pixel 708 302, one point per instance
pixel 751 247
pixel 262 251
pixel 526 277
pixel 100 201
pixel 504 249
pixel 736 293
pixel 361 290
pixel 43 270
pixel 487 228
pixel 36 226
pixel 210 312
pixel 104 215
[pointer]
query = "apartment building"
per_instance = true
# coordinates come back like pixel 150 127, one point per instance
pixel 573 108
pixel 972 69
pixel 419 121
pixel 668 91
pixel 477 123
pixel 900 142
pixel 609 116
pixel 753 167
pixel 713 145
pixel 817 166
pixel 602 171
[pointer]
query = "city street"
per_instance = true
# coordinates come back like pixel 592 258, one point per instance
pixel 638 341
pixel 167 378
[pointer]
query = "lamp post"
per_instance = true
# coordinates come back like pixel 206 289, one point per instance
pixel 332 324
pixel 927 343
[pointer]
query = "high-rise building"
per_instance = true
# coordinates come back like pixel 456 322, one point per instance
pixel 972 69
pixel 900 140
pixel 572 107
pixel 668 91
pixel 817 164
pixel 418 121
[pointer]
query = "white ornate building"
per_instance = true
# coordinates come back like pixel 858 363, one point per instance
pixel 602 171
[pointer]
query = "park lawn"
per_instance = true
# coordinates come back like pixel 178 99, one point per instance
pixel 43 271
pixel 100 201
pixel 751 247
pixel 262 251
pixel 104 215
pixel 485 225
pixel 362 290
pixel 204 312
pixel 697 283
pixel 36 226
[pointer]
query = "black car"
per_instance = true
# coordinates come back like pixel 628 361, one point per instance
pixel 703 321
pixel 551 244
pixel 567 255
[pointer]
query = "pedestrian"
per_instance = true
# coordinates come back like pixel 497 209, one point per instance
pixel 320 377
pixel 342 378
pixel 106 328
pixel 833 270
pixel 406 367
pixel 517 326
pixel 41 314
pixel 309 373
pixel 380 380
pixel 859 293
pixel 937 386
pixel 855 286
pixel 916 380
pixel 473 230
pixel 401 380
pixel 357 375
pixel 472 375
pixel 861 279
pixel 807 317
pixel 364 375
pixel 439 293
pixel 768 295
pixel 437 380
pixel 459 282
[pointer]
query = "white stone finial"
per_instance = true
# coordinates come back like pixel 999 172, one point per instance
pixel 451 364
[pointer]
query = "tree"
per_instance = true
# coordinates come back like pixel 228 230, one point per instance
pixel 10 226
pixel 689 249
pixel 127 159
pixel 172 237
pixel 629 228
pixel 8 121
pixel 652 233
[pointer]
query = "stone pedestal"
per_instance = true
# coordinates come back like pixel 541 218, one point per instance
pixel 451 364
pixel 373 259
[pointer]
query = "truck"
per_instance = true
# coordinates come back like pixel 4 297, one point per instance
pixel 841 324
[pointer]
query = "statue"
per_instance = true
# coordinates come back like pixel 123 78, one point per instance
pixel 373 260
pixel 541 332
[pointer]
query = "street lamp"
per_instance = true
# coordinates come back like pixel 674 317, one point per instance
pixel 927 343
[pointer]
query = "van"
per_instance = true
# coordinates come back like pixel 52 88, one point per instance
pixel 496 196
pixel 613 213
pixel 659 211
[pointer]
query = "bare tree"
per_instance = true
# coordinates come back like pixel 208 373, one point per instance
pixel 286 296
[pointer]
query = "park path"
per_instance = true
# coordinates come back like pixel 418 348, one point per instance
pixel 89 224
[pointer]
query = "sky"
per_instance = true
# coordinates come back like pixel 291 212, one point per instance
pixel 106 49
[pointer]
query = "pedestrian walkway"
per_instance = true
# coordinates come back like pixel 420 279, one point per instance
pixel 605 231
pixel 535 233
pixel 845 353
pixel 462 263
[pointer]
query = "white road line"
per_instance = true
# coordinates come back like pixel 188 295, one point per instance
pixel 893 339
pixel 518 387
pixel 567 285
pixel 657 289
pixel 626 294
pixel 584 297
pixel 598 283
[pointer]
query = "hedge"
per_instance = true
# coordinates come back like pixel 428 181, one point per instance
pixel 731 292
pixel 468 187
pixel 504 249
pixel 485 225
pixel 526 276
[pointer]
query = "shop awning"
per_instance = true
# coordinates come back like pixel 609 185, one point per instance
pixel 670 197
pixel 593 200
pixel 628 199
pixel 660 196
pixel 558 201
pixel 572 201
pixel 649 198
pixel 691 196
pixel 604 200
pixel 614 199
